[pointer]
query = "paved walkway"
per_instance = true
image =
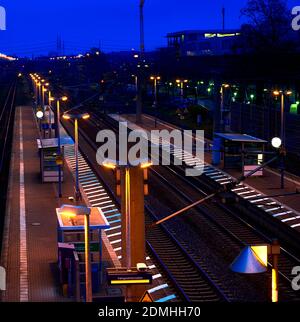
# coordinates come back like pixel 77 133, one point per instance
pixel 29 249
pixel 30 239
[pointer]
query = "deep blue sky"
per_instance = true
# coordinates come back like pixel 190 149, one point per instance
pixel 33 25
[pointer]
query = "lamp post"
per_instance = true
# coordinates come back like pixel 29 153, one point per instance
pixel 253 259
pixel 76 117
pixel 155 79
pixel 222 92
pixel 58 100
pixel 277 144
pixel 181 83
pixel 283 95
pixel 74 211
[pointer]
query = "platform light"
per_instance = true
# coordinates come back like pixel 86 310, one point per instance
pixel 276 142
pixel 66 117
pixel 109 164
pixel 146 165
pixel 85 116
pixel 39 114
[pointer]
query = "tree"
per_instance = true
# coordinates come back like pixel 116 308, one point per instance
pixel 268 27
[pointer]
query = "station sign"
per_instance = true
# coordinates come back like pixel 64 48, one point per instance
pixel 124 276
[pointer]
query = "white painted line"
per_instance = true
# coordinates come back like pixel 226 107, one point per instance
pixel 103 203
pixel 99 199
pixel 91 175
pixel 91 185
pixel 219 176
pixel 116 241
pixel 113 228
pixel 252 196
pixel 93 190
pixel 245 192
pixel 290 219
pixel 117 249
pixel 156 276
pixel 223 179
pixel 296 225
pixel 24 292
pixel 258 200
pixel 110 206
pixel 225 182
pixel 283 213
pixel 114 235
pixel 238 189
pixel 272 209
pixel 96 194
pixel 158 288
pixel 151 266
pixel 89 180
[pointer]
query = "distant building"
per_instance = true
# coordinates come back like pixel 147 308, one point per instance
pixel 204 42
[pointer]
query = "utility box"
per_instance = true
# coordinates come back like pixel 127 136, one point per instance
pixel 71 231
pixel 50 158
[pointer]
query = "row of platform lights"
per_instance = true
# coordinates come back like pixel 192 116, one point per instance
pixel 72 211
pixel 255 255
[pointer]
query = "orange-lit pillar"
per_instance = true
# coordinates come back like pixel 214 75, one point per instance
pixel 133 224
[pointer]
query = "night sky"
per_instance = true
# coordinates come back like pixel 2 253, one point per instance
pixel 33 25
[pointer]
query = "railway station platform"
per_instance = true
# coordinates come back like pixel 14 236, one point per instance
pixel 29 248
pixel 257 190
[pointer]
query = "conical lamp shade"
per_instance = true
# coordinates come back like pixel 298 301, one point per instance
pixel 247 263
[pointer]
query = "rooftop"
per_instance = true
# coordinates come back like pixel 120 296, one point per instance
pixel 236 137
pixel 204 31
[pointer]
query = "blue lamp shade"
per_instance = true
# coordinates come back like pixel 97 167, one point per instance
pixel 247 263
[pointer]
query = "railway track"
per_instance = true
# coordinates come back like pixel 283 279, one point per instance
pixel 239 233
pixel 6 133
pixel 6 122
pixel 230 225
pixel 185 275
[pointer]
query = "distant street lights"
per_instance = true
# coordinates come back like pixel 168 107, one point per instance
pixel 76 117
pixel 180 83
pixel 155 79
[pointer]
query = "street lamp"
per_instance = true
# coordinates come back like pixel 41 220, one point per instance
pixel 181 83
pixel 58 100
pixel 39 114
pixel 277 144
pixel 253 259
pixel 282 95
pixel 76 117
pixel 155 79
pixel 222 92
pixel 74 211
